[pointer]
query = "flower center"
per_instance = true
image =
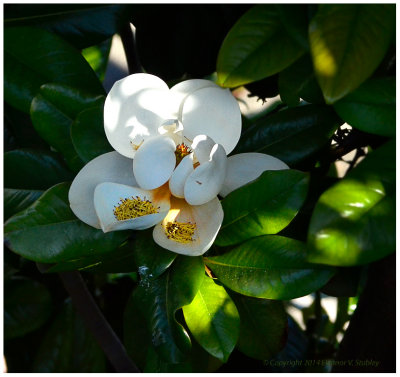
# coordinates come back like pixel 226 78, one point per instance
pixel 180 232
pixel 130 208
pixel 181 151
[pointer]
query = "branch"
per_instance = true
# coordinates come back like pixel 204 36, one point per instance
pixel 96 322
pixel 129 43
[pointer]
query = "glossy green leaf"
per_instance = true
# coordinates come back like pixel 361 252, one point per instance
pixel 137 341
pixel 33 57
pixel 27 173
pixel 371 107
pixel 299 81
pixel 80 24
pixel 88 136
pixel 265 206
pixel 354 220
pixel 294 18
pixel 35 169
pixel 19 131
pixel 68 346
pixel 159 300
pixel 49 232
pixel 257 46
pixel 272 267
pixel 291 135
pixel 97 57
pixel 263 326
pixel 27 306
pixel 53 112
pixel 152 260
pixel 348 41
pixel 119 260
pixel 213 319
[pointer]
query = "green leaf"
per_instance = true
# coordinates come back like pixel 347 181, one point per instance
pixel 137 341
pixel 265 206
pixel 88 136
pixel 294 18
pixel 354 220
pixel 348 41
pixel 27 306
pixel 152 260
pixel 119 260
pixel 272 267
pixel 213 320
pixel 263 326
pixel 299 81
pixel 257 46
pixel 97 57
pixel 291 135
pixel 82 25
pixel 33 57
pixel 53 112
pixel 371 107
pixel 159 300
pixel 27 173
pixel 49 232
pixel 68 346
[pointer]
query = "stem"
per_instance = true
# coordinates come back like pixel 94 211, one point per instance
pixel 129 43
pixel 96 322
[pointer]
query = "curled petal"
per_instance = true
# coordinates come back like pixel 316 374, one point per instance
pixel 214 112
pixel 109 167
pixel 134 109
pixel 179 176
pixel 154 162
pixel 246 167
pixel 180 91
pixel 202 146
pixel 207 219
pixel 108 195
pixel 206 181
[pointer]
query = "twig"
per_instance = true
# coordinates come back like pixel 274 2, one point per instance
pixel 131 54
pixel 96 322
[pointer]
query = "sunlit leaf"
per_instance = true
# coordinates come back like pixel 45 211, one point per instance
pixel 348 41
pixel 257 46
pixel 213 319
pixel 354 220
pixel 272 267
pixel 265 206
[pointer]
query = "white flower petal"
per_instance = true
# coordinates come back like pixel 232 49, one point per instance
pixel 214 112
pixel 134 109
pixel 109 167
pixel 179 176
pixel 207 179
pixel 154 162
pixel 202 146
pixel 108 195
pixel 207 218
pixel 183 89
pixel 246 167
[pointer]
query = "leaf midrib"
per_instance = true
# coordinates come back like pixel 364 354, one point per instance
pixel 258 208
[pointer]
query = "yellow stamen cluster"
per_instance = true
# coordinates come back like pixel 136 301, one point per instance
pixel 180 232
pixel 130 208
pixel 181 151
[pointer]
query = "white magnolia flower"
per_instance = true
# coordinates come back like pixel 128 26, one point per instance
pixel 170 162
